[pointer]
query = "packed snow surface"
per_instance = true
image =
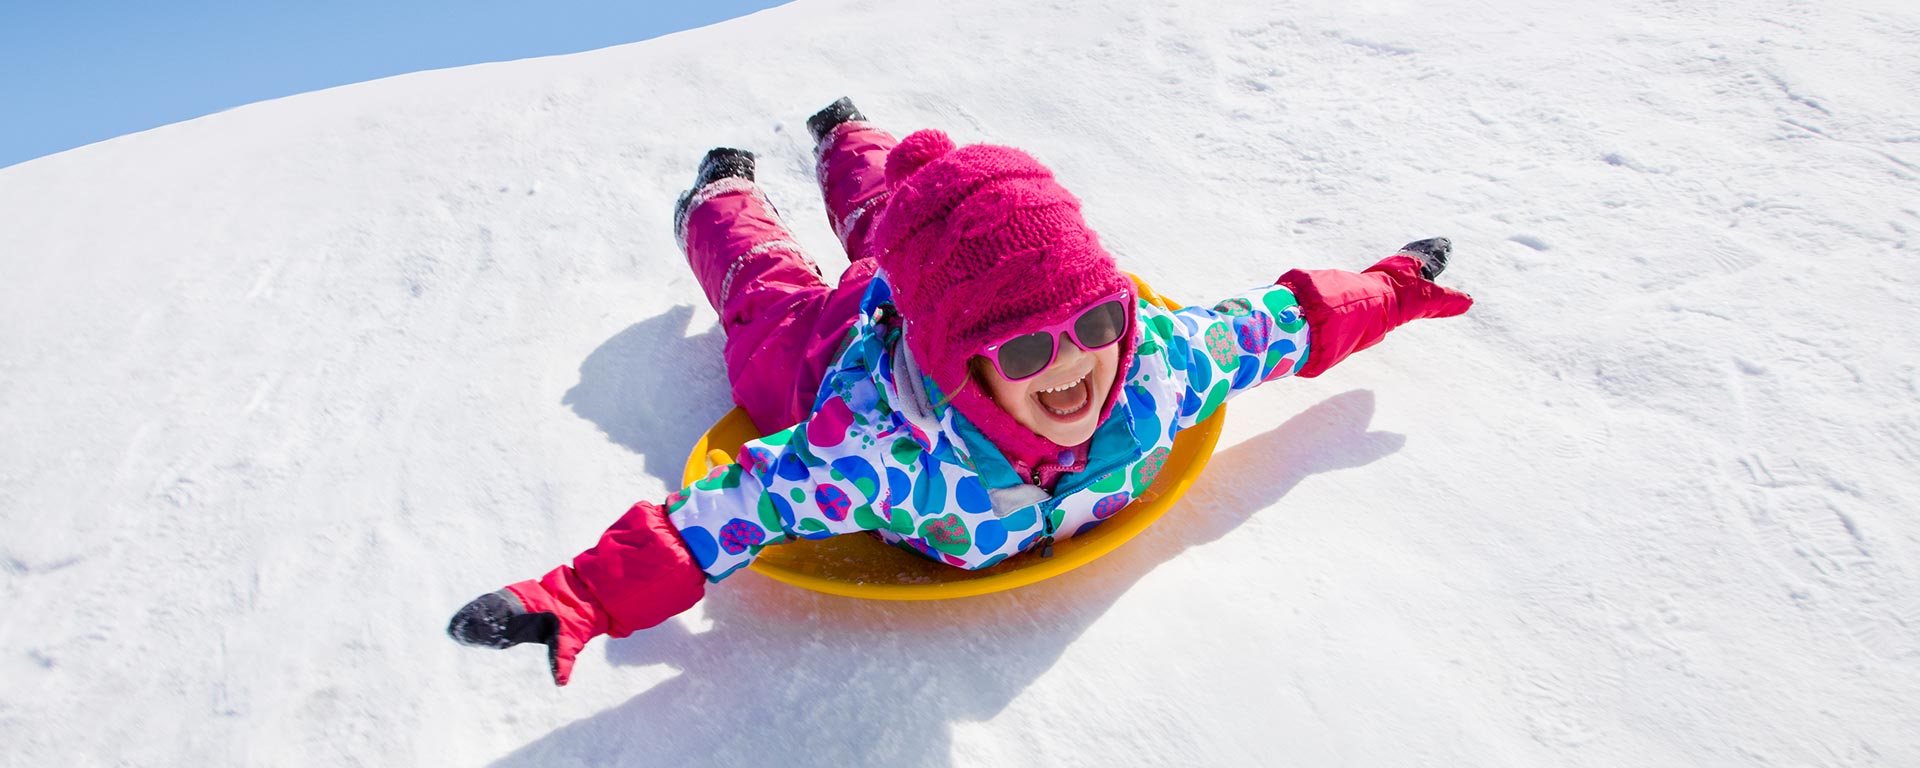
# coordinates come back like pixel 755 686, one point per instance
pixel 282 387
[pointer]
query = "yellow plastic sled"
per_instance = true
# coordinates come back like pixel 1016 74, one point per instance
pixel 865 567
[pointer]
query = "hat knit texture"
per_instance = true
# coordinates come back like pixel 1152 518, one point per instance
pixel 979 244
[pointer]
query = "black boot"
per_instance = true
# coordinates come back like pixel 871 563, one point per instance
pixel 720 163
pixel 836 113
pixel 1432 254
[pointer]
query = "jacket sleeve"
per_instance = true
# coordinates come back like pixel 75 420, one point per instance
pixel 815 480
pixel 1216 353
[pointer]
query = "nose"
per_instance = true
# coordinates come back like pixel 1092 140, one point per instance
pixel 1065 351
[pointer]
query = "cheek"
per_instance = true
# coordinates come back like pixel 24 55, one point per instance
pixel 1008 395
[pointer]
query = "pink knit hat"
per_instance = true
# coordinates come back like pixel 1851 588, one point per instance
pixel 980 243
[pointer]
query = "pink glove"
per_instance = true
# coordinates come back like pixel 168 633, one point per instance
pixel 639 575
pixel 1349 311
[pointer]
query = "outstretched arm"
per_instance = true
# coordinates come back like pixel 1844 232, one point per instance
pixel 1305 323
pixel 655 561
pixel 638 575
pixel 1350 311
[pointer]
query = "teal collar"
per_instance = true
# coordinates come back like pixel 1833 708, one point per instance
pixel 988 462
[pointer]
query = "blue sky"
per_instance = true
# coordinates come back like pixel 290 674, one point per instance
pixel 73 72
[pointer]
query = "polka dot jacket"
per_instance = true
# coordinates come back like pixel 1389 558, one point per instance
pixel 880 453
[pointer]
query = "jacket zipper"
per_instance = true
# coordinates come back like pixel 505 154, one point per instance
pixel 1046 523
pixel 1046 539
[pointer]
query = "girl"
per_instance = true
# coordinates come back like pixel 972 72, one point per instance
pixel 983 380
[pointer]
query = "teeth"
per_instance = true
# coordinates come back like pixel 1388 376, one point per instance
pixel 1065 387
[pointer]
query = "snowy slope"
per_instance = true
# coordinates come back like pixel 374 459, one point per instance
pixel 282 387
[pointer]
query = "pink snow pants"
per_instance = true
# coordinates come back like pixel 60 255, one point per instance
pixel 783 323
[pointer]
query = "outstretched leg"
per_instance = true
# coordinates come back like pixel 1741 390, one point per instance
pixel 739 249
pixel 768 293
pixel 851 163
pixel 784 324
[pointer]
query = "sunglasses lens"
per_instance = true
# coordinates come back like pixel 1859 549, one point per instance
pixel 1024 356
pixel 1101 325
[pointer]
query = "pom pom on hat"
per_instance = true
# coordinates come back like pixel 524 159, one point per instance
pixel 914 152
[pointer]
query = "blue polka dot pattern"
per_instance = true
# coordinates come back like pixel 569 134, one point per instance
pixel 971 495
pixel 701 545
pixel 989 535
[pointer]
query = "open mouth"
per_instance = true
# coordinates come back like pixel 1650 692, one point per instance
pixel 1067 402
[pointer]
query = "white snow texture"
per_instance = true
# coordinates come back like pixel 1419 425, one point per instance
pixel 282 387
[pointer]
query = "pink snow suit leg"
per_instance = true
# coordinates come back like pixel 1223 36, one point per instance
pixel 784 324
pixel 852 167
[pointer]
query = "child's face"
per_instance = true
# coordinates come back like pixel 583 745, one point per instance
pixel 1069 415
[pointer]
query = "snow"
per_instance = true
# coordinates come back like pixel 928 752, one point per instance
pixel 282 387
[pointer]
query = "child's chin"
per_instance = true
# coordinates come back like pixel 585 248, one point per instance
pixel 1068 433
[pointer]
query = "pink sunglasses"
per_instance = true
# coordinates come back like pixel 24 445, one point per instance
pixel 1097 326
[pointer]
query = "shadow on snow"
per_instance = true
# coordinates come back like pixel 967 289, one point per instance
pixel 654 390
